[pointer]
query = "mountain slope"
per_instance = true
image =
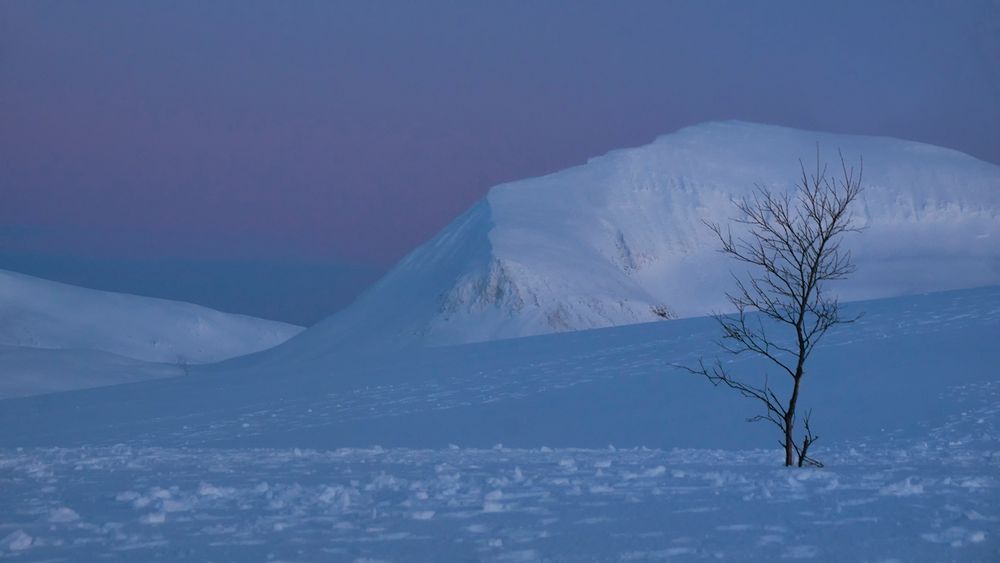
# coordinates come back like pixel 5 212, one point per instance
pixel 604 243
pixel 37 313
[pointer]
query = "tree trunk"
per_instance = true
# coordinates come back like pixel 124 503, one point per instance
pixel 789 444
pixel 790 422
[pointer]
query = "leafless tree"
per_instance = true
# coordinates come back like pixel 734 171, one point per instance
pixel 791 243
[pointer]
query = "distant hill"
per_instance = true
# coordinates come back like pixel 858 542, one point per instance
pixel 55 336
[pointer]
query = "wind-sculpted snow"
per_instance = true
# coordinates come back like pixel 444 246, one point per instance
pixel 605 243
pixel 935 500
pixel 567 447
pixel 355 442
pixel 55 337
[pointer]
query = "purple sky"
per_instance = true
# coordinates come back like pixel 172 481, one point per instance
pixel 350 132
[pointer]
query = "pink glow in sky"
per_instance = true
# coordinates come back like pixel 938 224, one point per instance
pixel 354 131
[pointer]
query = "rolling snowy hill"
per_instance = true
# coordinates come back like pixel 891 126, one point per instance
pixel 38 313
pixel 55 336
pixel 603 243
pixel 563 447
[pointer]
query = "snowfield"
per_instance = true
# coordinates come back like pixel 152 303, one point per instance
pixel 56 337
pixel 567 447
pixel 500 504
pixel 34 371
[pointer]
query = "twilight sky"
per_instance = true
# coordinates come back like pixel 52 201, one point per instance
pixel 290 144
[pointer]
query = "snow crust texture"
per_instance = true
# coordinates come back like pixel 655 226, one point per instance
pixel 608 242
pixel 569 447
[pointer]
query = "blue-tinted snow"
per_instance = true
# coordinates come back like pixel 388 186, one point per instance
pixel 56 337
pixel 577 446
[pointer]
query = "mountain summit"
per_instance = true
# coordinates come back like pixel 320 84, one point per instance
pixel 614 240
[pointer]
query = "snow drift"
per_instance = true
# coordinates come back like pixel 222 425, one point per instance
pixel 604 243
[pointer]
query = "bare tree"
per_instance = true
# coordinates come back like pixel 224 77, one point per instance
pixel 792 244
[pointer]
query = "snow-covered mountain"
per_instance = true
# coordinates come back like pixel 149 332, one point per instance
pixel 56 337
pixel 603 243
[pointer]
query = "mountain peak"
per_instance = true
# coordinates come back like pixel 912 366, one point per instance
pixel 621 240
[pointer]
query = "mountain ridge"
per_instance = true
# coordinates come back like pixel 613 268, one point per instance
pixel 610 241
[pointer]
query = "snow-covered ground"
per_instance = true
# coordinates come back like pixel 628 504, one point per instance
pixel 932 501
pixel 55 337
pixel 576 446
pixel 30 371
